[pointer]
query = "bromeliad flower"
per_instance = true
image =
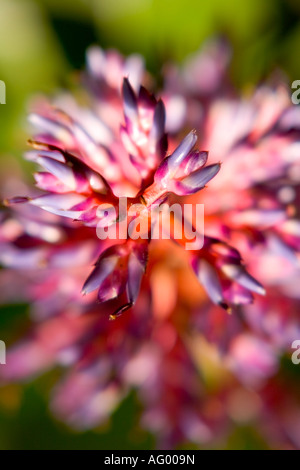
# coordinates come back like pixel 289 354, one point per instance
pixel 109 168
pixel 76 189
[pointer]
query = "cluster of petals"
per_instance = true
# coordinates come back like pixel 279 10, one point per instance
pixel 172 339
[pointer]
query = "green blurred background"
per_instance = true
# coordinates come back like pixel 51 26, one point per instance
pixel 41 43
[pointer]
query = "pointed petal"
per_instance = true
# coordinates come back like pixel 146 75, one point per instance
pixel 182 150
pixel 62 171
pixel 239 274
pixel 52 127
pixel 236 294
pixel 60 204
pixel 111 288
pixel 194 161
pixel 99 273
pixel 114 284
pixel 146 100
pixel 48 182
pixel 209 278
pixel 146 106
pixel 135 274
pixel 195 181
pixel 158 125
pixel 169 166
pixel 129 101
pixel 224 250
pixel 59 201
pixel 136 269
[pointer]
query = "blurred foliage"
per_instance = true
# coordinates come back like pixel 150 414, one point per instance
pixel 26 423
pixel 41 42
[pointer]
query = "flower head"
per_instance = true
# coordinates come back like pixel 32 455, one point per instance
pixel 109 166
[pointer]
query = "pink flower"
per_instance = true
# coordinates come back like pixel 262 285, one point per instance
pixel 75 188
pixel 117 149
